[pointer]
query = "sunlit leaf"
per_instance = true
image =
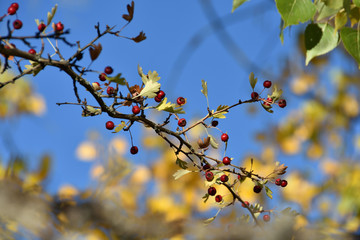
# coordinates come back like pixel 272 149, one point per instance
pixel 328 42
pixel 220 114
pixel 340 20
pixel 327 8
pixel 152 86
pixel 119 127
pixel 34 67
pixel 181 172
pixel 51 14
pixel 268 192
pixel 276 94
pixel 295 11
pixel 169 107
pixel 204 89
pixel 213 142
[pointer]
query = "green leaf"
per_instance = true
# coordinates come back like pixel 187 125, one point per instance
pixel 328 42
pixel 204 89
pixel 181 163
pixel 213 142
pixel 268 192
pixel 51 14
pixel 179 173
pixel 326 10
pixel 357 3
pixel 340 20
pixel 312 36
pixel 295 11
pixel 267 108
pixel 252 80
pixel 169 107
pixel 119 127
pixel 206 197
pixel 276 95
pixel 220 114
pixel 33 67
pixel 236 4
pixel 90 111
pixel 351 40
pixel 117 79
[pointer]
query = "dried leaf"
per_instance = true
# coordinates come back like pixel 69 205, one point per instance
pixel 130 8
pixel 95 51
pixel 204 143
pixel 139 38
pixel 280 170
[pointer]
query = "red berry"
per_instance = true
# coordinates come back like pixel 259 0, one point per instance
pixel 108 70
pixel 206 166
pixel 212 191
pixel 134 150
pixel 110 90
pixel 209 176
pixel 278 182
pixel 266 217
pixel 15 5
pixel 224 178
pixel 226 160
pixel 59 27
pixel 282 103
pixel 135 109
pixel 224 137
pixel 17 24
pixel 11 10
pixel 158 99
pixel 102 77
pixel 181 101
pixel 182 122
pixel 284 183
pixel 214 123
pixel 161 94
pixel 254 95
pixel 32 51
pixel 267 84
pixel 41 27
pixel 246 202
pixel 218 198
pixel 257 189
pixel 110 125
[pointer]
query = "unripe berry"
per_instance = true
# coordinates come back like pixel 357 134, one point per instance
pixel 214 123
pixel 218 198
pixel 59 27
pixel 182 122
pixel 246 202
pixel 102 76
pixel 224 178
pixel 257 189
pixel 41 27
pixel 110 90
pixel 254 95
pixel 17 24
pixel 96 86
pixel 266 217
pixel 180 101
pixel 226 160
pixel 15 5
pixel 212 191
pixel 135 109
pixel 134 150
pixel 224 137
pixel 108 70
pixel 11 10
pixel 109 125
pixel 267 84
pixel 282 103
pixel 161 94
pixel 32 51
pixel 284 183
pixel 209 176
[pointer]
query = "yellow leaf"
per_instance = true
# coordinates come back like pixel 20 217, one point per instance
pixel 97 171
pixel 119 145
pixel 67 192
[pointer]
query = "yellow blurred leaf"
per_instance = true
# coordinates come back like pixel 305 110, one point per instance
pixel 86 151
pixel 67 192
pixel 97 171
pixel 290 145
pixel 119 145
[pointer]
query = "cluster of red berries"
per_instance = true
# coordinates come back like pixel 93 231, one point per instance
pixel 212 192
pixel 268 101
pixel 17 24
pixel 281 182
pixel 110 126
pixel 108 70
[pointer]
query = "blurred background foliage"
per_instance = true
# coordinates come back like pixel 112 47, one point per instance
pixel 136 201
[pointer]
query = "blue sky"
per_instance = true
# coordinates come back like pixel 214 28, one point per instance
pixel 181 46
